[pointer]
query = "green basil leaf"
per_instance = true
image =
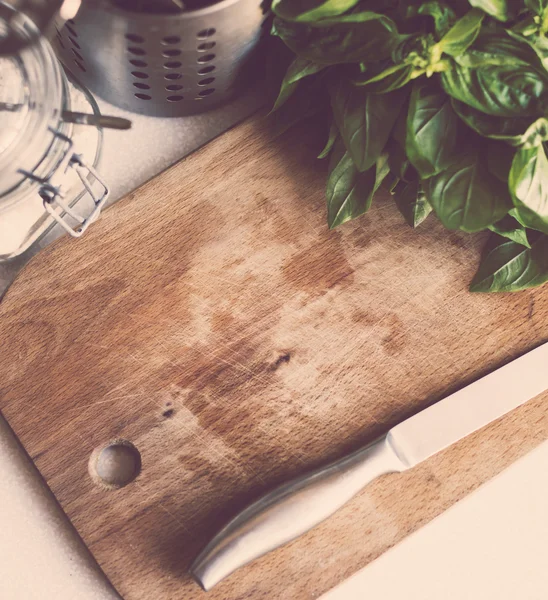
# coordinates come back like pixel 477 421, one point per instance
pixel 349 193
pixel 537 6
pixel 432 127
pixel 332 138
pixel 399 163
pixel 391 182
pixel 365 120
pixel 528 184
pixel 499 90
pixel 466 195
pixel 298 69
pixel 474 59
pixel 509 266
pixel 537 42
pixel 499 49
pixel 499 159
pixel 525 222
pixel 535 134
pixel 525 27
pixel 383 169
pixel 504 43
pixel 389 79
pixel 411 202
pixel 413 46
pixel 443 15
pixel 307 100
pixel 503 10
pixel 346 39
pixel 391 8
pixel 524 133
pixel 510 130
pixel 399 132
pixel 511 229
pixel 501 75
pixel 311 10
pixel 463 33
pixel 515 214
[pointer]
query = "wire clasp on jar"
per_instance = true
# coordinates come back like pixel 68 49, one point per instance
pixel 54 196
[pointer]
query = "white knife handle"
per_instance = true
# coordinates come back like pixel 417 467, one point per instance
pixel 290 510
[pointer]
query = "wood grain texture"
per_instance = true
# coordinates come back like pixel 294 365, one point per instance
pixel 213 320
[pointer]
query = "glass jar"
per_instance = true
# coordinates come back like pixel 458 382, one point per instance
pixel 47 162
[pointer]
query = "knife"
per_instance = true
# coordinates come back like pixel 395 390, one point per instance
pixel 295 507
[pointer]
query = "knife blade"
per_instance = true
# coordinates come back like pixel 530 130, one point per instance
pixel 295 507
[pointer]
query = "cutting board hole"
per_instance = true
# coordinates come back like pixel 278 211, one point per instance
pixel 115 465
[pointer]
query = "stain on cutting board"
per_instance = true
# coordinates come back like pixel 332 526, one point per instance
pixel 214 321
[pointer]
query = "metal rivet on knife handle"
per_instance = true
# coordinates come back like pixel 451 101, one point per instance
pixel 292 509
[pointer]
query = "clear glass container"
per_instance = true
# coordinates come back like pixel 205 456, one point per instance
pixel 47 163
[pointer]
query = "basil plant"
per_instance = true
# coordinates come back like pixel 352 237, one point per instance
pixel 446 102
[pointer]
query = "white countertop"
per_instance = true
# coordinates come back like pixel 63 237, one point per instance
pixel 490 546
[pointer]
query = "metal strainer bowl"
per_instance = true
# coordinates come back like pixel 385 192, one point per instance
pixel 162 63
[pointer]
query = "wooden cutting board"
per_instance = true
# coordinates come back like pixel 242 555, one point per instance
pixel 213 320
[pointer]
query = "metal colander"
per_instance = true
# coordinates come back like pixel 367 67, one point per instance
pixel 162 62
